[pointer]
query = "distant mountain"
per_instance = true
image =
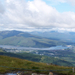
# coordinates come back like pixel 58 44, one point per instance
pixel 62 36
pixel 25 39
pixel 6 34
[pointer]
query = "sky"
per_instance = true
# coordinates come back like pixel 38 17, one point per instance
pixel 32 15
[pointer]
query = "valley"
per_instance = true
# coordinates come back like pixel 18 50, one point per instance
pixel 64 55
pixel 26 46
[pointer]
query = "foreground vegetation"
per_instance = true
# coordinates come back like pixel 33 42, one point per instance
pixel 37 58
pixel 16 64
pixel 67 54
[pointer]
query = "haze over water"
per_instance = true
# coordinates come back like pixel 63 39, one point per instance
pixel 31 48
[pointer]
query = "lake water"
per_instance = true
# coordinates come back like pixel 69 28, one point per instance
pixel 10 74
pixel 30 48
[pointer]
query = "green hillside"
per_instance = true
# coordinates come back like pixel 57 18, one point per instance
pixel 67 54
pixel 8 64
pixel 18 38
pixel 45 59
pixel 37 58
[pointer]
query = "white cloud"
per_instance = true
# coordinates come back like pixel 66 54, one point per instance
pixel 2 9
pixel 71 1
pixel 20 15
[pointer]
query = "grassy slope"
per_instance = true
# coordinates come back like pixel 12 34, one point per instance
pixel 45 59
pixel 25 64
pixel 37 58
pixel 68 54
pixel 65 55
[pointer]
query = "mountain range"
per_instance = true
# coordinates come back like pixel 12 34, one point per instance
pixel 55 35
pixel 25 39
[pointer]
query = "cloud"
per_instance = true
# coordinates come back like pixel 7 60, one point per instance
pixel 71 1
pixel 2 9
pixel 19 14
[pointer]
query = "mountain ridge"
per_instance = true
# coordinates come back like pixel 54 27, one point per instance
pixel 25 39
pixel 62 36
